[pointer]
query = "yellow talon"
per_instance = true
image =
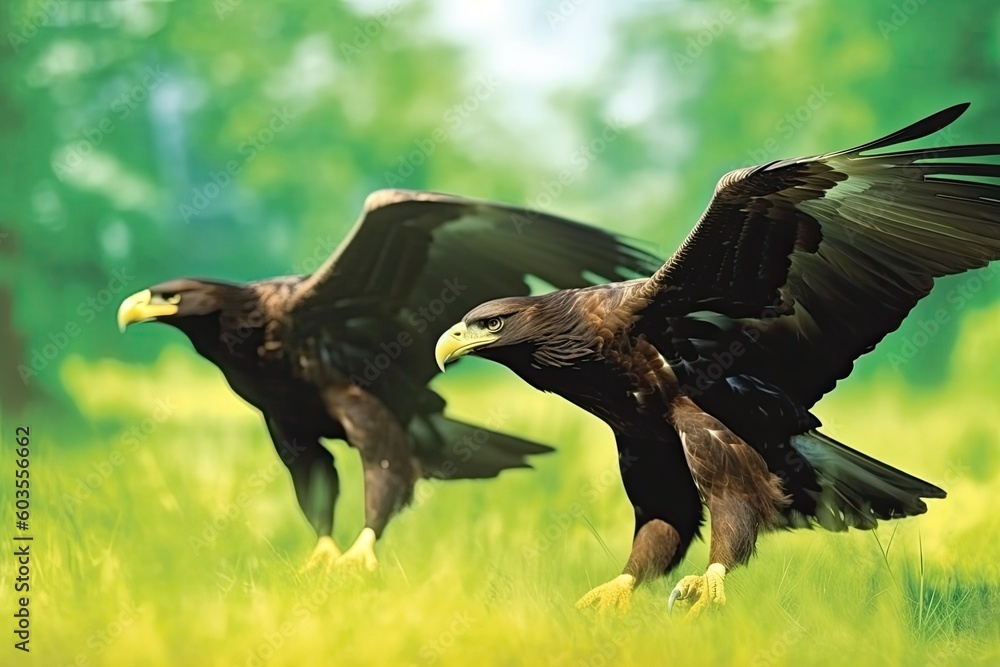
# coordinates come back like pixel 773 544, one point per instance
pixel 323 557
pixel 361 555
pixel 701 591
pixel 615 595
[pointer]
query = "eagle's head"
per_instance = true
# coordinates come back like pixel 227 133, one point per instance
pixel 502 323
pixel 172 302
pixel 222 320
pixel 523 332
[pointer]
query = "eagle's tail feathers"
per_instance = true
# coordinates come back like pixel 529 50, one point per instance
pixel 857 490
pixel 450 449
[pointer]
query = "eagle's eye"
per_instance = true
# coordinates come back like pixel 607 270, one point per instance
pixel 494 324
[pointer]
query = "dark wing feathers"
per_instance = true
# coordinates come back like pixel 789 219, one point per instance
pixel 407 243
pixel 822 256
pixel 418 261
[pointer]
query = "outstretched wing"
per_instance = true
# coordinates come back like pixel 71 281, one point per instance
pixel 407 245
pixel 417 261
pixel 812 261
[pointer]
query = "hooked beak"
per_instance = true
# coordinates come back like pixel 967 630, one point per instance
pixel 140 308
pixel 457 342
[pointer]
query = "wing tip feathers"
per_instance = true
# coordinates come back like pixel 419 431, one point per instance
pixel 924 127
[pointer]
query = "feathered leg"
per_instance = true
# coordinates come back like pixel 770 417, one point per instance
pixel 742 495
pixel 385 457
pixel 667 518
pixel 316 483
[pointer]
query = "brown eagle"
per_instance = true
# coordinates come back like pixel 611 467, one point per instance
pixel 346 352
pixel 706 371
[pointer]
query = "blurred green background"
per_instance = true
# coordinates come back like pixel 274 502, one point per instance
pixel 237 140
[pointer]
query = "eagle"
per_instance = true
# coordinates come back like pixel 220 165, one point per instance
pixel 345 353
pixel 707 370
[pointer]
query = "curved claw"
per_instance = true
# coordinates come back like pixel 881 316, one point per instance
pixel 702 591
pixel 614 595
pixel 674 594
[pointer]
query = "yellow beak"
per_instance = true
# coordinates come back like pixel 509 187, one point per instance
pixel 140 308
pixel 457 342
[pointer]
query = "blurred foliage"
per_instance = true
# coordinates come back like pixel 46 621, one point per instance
pixel 228 139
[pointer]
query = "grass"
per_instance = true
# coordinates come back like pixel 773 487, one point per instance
pixel 168 534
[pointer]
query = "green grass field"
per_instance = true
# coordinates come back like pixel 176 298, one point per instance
pixel 169 534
